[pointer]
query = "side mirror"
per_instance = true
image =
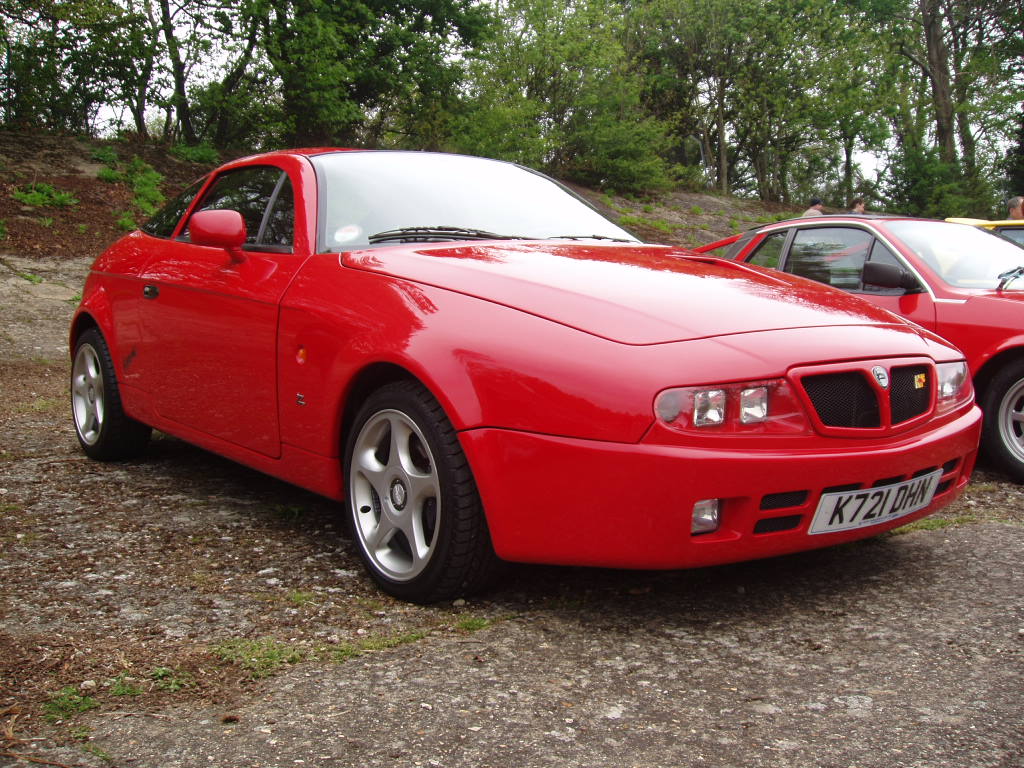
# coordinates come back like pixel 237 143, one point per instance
pixel 219 229
pixel 888 276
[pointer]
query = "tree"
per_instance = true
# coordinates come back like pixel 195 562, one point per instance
pixel 339 63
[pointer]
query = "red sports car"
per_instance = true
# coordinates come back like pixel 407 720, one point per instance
pixel 962 282
pixel 485 369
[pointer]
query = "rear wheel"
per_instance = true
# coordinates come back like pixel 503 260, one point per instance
pixel 1003 434
pixel 418 524
pixel 104 431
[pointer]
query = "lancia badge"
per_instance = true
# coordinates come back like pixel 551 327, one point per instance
pixel 881 376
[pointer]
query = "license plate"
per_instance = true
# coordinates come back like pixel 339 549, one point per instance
pixel 846 510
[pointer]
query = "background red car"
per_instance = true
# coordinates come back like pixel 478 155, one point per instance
pixel 962 282
pixel 484 368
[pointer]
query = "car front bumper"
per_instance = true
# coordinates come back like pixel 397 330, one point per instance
pixel 565 501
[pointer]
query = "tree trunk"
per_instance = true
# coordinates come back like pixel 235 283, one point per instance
pixel 178 72
pixel 938 73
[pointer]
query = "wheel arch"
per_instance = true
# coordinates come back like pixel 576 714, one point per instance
pixel 984 375
pixel 365 382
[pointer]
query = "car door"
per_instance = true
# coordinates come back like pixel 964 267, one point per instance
pixel 835 255
pixel 209 317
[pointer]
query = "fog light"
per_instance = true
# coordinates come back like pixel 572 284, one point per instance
pixel 754 405
pixel 709 407
pixel 705 516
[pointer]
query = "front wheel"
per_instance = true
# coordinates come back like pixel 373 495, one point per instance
pixel 1003 433
pixel 417 519
pixel 104 431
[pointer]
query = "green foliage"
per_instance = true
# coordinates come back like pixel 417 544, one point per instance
pixel 3 229
pixel 126 221
pixel 68 702
pixel 920 183
pixel 202 153
pixel 696 210
pixel 39 194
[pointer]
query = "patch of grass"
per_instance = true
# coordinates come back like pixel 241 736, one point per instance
pixel 347 651
pixel 648 208
pixel 3 229
pixel 109 175
pixel 170 680
pixel 99 752
pixel 45 221
pixel 46 405
pixel 696 210
pixel 300 597
pixel 933 524
pixel 472 623
pixel 260 658
pixel 123 685
pixel 734 224
pixel 34 279
pixel 39 194
pixel 68 702
pixel 82 228
pixel 75 300
pixel 202 153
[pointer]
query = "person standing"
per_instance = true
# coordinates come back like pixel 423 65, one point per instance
pixel 1016 208
pixel 815 208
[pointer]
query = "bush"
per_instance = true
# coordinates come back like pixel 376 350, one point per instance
pixel 201 153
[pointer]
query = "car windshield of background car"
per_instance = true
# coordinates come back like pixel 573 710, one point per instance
pixel 364 193
pixel 962 255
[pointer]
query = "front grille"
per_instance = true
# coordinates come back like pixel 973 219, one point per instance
pixel 783 500
pixel 911 392
pixel 843 400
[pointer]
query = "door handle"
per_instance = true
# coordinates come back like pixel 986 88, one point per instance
pixel 150 291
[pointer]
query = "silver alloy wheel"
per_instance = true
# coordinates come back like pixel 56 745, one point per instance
pixel 395 495
pixel 1011 420
pixel 87 395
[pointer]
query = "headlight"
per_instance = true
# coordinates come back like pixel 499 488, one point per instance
pixel 954 386
pixel 743 407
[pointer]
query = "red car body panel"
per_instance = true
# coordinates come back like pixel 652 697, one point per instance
pixel 545 356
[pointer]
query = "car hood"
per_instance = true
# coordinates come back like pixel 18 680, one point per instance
pixel 634 294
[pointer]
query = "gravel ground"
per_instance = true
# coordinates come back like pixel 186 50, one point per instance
pixel 183 611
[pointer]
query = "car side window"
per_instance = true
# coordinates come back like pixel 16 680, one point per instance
pixel 769 252
pixel 831 255
pixel 164 221
pixel 263 196
pixel 1012 233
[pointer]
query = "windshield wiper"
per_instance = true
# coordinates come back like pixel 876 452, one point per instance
pixel 589 237
pixel 435 235
pixel 1009 276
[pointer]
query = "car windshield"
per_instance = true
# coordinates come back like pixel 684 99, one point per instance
pixel 391 197
pixel 960 254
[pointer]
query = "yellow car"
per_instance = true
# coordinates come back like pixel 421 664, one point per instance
pixel 1009 228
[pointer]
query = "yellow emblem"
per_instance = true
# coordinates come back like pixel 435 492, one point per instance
pixel 920 381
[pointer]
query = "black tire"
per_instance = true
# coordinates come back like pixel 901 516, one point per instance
pixel 416 517
pixel 1002 436
pixel 104 431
